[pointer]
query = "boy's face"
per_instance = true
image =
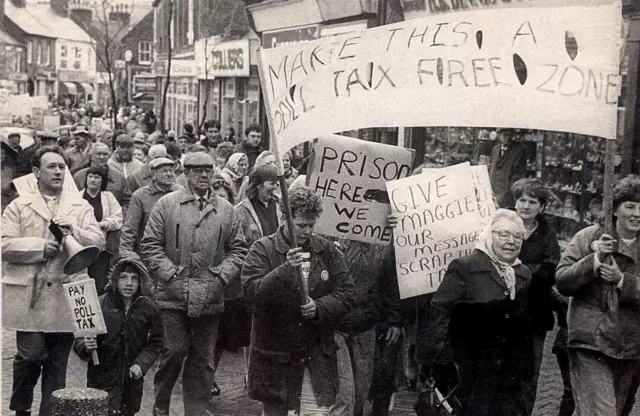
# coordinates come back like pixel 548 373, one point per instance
pixel 128 284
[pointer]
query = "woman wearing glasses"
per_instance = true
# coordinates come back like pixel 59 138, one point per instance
pixel 601 274
pixel 540 252
pixel 480 321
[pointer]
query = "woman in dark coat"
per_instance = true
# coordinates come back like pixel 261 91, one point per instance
pixel 480 321
pixel 540 252
pixel 292 359
pixel 133 340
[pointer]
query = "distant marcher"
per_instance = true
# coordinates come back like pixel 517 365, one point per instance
pixel 143 176
pixel 540 252
pixel 108 213
pixel 143 200
pixel 122 159
pixel 251 145
pixel 141 153
pixel 235 172
pixel 508 164
pixel 290 173
pixel 80 154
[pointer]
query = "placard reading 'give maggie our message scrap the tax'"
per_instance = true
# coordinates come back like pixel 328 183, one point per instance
pixel 439 219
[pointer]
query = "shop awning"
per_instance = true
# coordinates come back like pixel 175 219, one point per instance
pixel 88 89
pixel 70 87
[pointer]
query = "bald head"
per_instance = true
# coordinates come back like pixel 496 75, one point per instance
pixel 100 154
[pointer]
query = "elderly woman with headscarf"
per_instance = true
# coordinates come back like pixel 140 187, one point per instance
pixel 235 172
pixel 480 322
pixel 600 272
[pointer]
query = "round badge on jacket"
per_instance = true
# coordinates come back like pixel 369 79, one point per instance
pixel 324 275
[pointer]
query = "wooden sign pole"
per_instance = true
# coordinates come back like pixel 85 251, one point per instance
pixel 281 179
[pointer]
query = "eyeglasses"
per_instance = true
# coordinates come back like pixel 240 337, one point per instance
pixel 200 171
pixel 216 185
pixel 505 235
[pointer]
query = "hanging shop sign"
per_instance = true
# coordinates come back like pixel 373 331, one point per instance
pixel 292 36
pixel 144 84
pixel 226 59
pixel 65 75
pixel 414 9
pixel 343 29
pixel 179 68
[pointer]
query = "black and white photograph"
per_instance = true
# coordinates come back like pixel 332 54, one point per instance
pixel 320 207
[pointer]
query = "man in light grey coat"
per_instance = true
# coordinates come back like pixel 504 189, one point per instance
pixel 194 248
pixel 33 299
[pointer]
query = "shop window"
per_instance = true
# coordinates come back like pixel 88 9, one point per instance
pixel 46 54
pixel 38 53
pixel 30 51
pixel 144 52
pixel 77 64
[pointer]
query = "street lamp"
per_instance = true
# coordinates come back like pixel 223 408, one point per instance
pixel 128 56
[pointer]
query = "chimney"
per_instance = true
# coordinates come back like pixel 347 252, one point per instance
pixel 60 7
pixel 120 13
pixel 16 3
pixel 81 16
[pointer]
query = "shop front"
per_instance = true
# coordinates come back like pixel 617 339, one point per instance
pixel 77 86
pixel 229 83
pixel 182 95
pixel 144 90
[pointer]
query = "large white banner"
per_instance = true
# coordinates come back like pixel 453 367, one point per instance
pixel 539 68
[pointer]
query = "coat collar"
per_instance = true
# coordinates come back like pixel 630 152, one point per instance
pixel 482 263
pixel 154 189
pixel 283 245
pixel 67 199
pixel 187 195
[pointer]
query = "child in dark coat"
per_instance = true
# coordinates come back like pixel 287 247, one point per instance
pixel 133 340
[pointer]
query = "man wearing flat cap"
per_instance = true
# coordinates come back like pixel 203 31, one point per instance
pixel 143 176
pixel 194 248
pixel 143 200
pixel 79 155
pixel 41 139
pixel 122 159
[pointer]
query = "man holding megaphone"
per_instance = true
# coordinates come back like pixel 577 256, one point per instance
pixel 45 236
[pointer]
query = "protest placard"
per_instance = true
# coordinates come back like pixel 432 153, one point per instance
pixel 350 175
pixel 51 123
pixel 438 221
pixel 540 68
pixel 37 118
pixel 86 313
pixel 85 308
pixel 482 183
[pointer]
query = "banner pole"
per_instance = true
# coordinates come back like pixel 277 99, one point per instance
pixel 281 179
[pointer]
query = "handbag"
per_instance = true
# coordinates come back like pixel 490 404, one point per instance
pixel 436 399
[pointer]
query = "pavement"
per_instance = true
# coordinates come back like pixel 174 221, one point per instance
pixel 234 400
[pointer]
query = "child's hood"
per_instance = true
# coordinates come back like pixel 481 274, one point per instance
pixel 147 288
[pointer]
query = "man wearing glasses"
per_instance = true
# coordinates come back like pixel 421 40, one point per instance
pixel 194 247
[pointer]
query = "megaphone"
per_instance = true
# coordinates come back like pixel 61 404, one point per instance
pixel 80 257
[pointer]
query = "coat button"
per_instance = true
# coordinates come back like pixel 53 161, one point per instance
pixel 49 284
pixel 299 323
pixel 303 360
pixel 506 293
pixel 506 315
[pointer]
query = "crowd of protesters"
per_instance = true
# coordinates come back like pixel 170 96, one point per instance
pixel 196 260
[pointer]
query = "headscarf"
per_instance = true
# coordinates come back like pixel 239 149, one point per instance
pixel 504 269
pixel 232 165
